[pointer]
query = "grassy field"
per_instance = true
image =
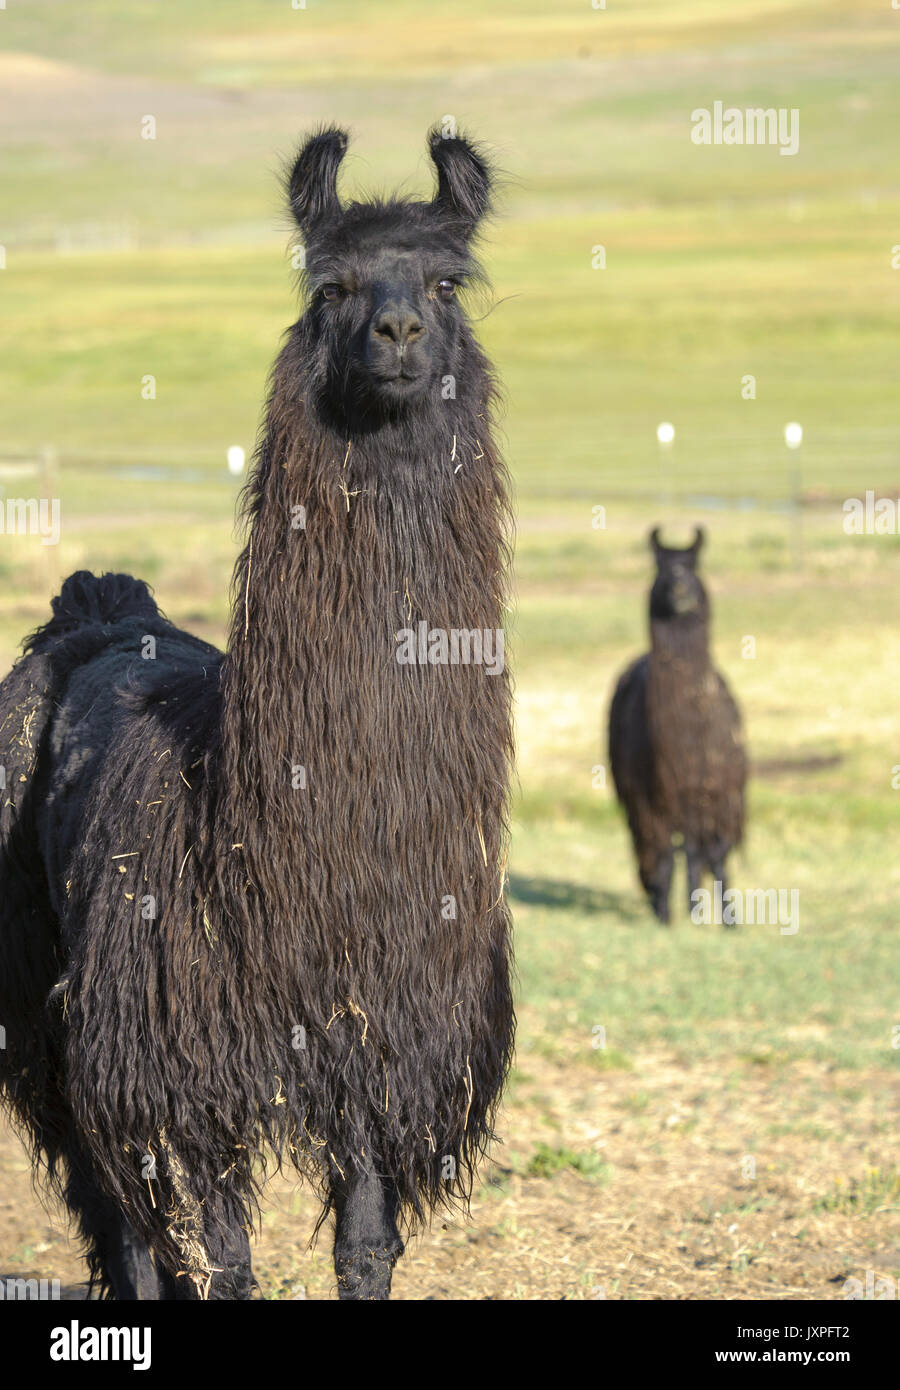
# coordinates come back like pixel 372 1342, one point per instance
pixel 626 1170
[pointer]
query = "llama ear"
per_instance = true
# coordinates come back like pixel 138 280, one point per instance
pixel 464 178
pixel 655 542
pixel 312 187
pixel 699 540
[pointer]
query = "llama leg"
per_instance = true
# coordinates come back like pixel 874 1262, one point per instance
pixel 205 1252
pixel 231 1280
pixel 717 869
pixel 230 1255
pixel 219 1272
pixel 657 881
pixel 694 872
pixel 367 1243
pixel 118 1259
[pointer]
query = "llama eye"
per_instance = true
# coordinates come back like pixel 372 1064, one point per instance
pixel 446 288
pixel 332 292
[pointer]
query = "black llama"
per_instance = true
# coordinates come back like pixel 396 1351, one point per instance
pixel 253 903
pixel 675 746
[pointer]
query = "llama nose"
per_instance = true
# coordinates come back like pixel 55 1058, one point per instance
pixel 398 324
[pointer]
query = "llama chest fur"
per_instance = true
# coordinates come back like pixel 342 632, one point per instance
pixel 368 793
pixel 694 731
pixel 366 699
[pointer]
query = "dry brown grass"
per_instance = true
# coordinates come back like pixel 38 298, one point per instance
pixel 672 1215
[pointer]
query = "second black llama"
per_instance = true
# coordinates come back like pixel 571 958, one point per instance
pixel 675 746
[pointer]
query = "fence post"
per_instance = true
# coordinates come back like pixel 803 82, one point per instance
pixel 665 437
pixel 793 438
pixel 49 468
pixel 797 519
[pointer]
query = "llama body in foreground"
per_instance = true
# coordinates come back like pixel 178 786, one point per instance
pixel 254 903
pixel 675 738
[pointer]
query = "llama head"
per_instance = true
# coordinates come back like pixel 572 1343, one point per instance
pixel 678 593
pixel 384 333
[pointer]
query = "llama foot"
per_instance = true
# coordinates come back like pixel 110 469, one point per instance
pixel 367 1243
pixel 657 882
pixel 365 1276
pixel 234 1285
pixel 720 885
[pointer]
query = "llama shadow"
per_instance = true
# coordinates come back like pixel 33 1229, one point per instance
pixel 574 897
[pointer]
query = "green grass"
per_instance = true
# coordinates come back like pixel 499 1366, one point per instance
pixel 546 1162
pixel 720 263
pixel 876 1192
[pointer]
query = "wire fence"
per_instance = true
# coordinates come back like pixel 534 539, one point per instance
pixel 124 234
pixel 725 472
pixel 732 469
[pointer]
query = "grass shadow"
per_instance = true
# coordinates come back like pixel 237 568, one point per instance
pixel 576 897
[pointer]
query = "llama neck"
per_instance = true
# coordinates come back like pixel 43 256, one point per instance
pixel 378 786
pixel 680 651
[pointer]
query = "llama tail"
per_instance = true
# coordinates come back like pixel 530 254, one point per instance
pixel 87 599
